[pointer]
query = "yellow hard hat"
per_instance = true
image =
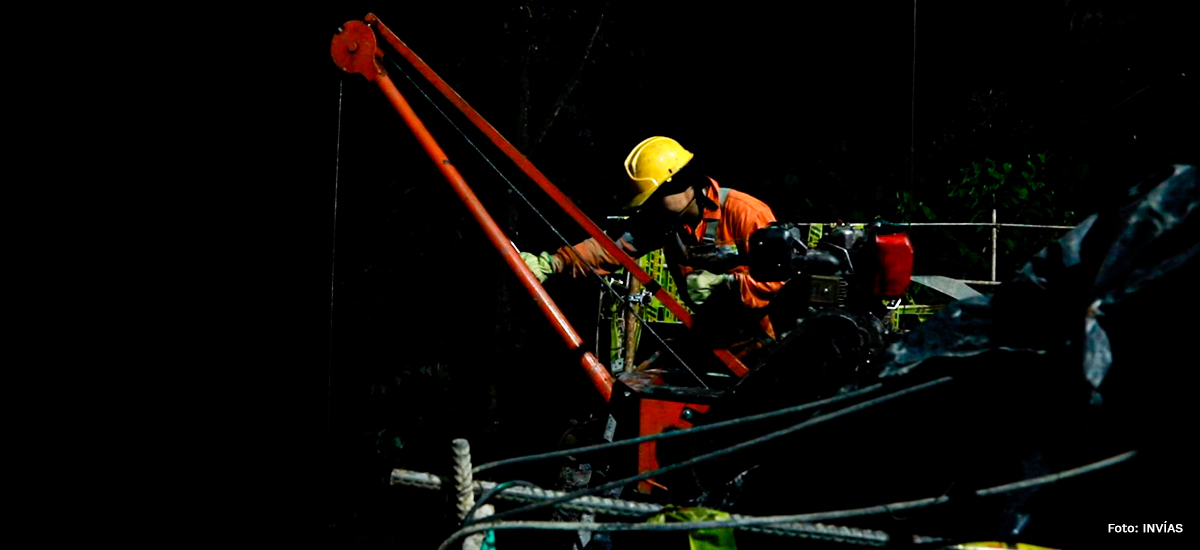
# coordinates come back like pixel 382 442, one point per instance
pixel 652 163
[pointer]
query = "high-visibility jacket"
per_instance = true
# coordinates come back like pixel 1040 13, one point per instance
pixel 728 220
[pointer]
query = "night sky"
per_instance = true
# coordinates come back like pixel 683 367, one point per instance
pixel 811 107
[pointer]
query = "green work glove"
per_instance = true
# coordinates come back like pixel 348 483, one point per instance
pixel 540 265
pixel 701 283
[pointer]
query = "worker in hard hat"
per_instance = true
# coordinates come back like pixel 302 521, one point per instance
pixel 698 223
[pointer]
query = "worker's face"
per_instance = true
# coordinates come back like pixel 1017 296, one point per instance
pixel 682 205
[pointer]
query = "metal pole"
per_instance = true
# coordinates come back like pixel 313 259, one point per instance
pixel 354 50
pixel 995 232
pixel 601 379
pixel 631 327
pixel 523 163
pixel 960 224
pixel 733 363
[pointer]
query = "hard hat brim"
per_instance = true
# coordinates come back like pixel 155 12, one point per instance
pixel 641 198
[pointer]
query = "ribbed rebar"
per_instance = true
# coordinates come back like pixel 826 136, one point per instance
pixel 464 484
pixel 616 507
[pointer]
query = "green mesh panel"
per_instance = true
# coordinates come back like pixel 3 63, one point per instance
pixel 655 265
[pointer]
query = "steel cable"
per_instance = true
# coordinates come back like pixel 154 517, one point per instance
pixel 337 165
pixel 794 518
pixel 553 229
pixel 607 506
pixel 912 128
pixel 722 452
pixel 470 516
pixel 665 435
pixel 741 523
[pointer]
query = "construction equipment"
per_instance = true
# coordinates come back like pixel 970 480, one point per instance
pixel 834 321
pixel 830 276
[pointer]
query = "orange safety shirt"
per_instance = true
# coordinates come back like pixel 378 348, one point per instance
pixel 736 220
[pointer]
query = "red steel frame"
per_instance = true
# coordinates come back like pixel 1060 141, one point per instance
pixel 732 362
pixel 354 50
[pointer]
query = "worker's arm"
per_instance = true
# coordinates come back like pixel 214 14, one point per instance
pixel 576 259
pixel 745 217
pixel 637 236
pixel 755 294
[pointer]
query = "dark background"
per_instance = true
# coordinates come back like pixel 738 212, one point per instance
pixel 813 108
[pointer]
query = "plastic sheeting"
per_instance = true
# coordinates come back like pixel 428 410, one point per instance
pixel 1141 256
pixel 1088 351
pixel 1105 311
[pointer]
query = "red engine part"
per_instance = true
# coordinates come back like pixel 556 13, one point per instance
pixel 894 259
pixel 654 417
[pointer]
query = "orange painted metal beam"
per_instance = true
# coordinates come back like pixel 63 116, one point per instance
pixel 354 50
pixel 550 189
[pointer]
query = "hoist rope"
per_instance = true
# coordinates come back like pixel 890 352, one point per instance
pixel 337 160
pixel 553 229
pixel 912 128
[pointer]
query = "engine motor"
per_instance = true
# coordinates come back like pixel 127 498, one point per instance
pixel 850 268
